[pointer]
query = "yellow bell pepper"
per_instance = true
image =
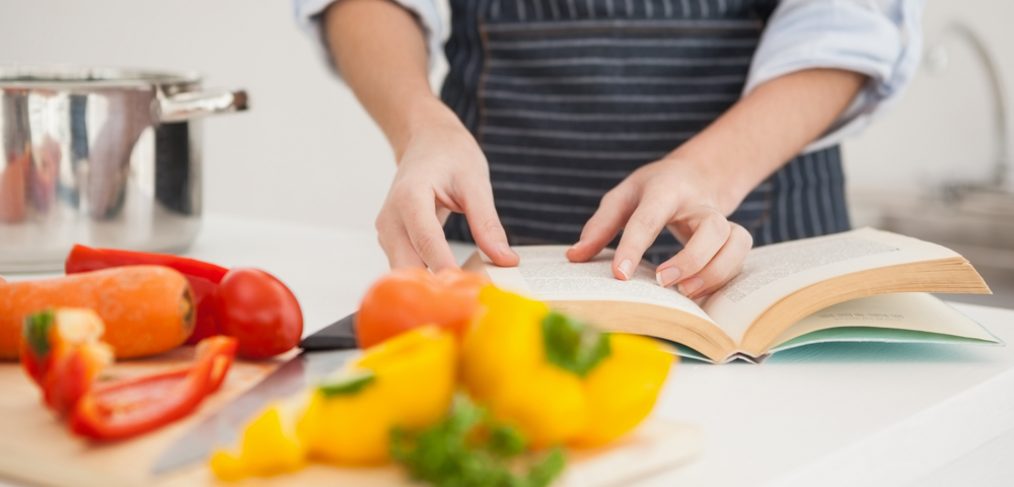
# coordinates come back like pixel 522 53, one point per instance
pixel 556 379
pixel 406 382
pixel 494 348
pixel 621 390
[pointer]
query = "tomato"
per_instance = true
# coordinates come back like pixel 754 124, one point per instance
pixel 409 298
pixel 259 311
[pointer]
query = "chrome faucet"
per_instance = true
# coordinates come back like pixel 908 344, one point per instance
pixel 937 60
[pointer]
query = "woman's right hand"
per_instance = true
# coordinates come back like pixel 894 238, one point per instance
pixel 380 49
pixel 441 169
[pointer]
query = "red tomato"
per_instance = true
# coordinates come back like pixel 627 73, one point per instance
pixel 409 298
pixel 257 309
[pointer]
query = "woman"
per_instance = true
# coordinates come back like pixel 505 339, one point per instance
pixel 690 128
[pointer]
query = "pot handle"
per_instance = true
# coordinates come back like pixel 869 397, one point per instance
pixel 191 104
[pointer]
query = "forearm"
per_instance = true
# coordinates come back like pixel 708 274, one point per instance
pixel 381 52
pixel 766 129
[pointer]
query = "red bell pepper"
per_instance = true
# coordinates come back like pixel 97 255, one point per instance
pixel 62 353
pixel 203 277
pixel 133 406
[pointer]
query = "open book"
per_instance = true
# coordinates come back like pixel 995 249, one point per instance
pixel 861 285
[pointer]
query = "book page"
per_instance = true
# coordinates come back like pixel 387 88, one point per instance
pixel 546 274
pixel 917 312
pixel 775 271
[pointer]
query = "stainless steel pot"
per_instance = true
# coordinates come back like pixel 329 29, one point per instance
pixel 104 157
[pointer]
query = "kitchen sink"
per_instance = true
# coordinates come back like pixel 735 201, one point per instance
pixel 975 221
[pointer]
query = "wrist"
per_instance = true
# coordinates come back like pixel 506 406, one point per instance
pixel 423 115
pixel 721 179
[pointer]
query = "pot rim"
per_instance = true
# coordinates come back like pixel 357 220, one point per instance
pixel 64 77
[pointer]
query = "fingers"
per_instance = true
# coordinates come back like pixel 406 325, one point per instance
pixel 410 228
pixel 486 229
pixel 614 211
pixel 396 244
pixel 419 219
pixel 709 230
pixel 724 264
pixel 644 225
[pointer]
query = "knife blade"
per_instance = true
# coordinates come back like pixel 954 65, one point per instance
pixel 323 353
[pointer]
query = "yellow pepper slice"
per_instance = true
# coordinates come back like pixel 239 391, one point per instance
pixel 407 381
pixel 346 430
pixel 227 466
pixel 411 386
pixel 266 449
pixel 416 374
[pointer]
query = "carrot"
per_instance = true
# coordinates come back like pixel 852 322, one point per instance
pixel 146 309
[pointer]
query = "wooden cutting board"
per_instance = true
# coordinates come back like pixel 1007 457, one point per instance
pixel 37 448
pixel 653 448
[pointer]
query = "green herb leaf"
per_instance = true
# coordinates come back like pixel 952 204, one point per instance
pixel 468 449
pixel 348 385
pixel 548 468
pixel 36 331
pixel 573 345
pixel 505 441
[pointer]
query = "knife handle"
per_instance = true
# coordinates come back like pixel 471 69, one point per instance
pixel 340 335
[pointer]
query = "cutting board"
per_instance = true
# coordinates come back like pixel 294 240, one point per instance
pixel 655 447
pixel 37 448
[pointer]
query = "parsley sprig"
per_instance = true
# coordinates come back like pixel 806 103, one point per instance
pixel 469 449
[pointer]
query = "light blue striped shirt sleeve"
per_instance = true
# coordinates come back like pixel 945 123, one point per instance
pixel 879 38
pixel 307 14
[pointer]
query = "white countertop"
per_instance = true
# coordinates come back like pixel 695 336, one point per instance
pixel 871 414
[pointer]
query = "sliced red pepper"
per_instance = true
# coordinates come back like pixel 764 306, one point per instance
pixel 37 344
pixel 133 406
pixel 71 378
pixel 62 353
pixel 203 277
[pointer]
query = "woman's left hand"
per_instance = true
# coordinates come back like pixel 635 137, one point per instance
pixel 670 193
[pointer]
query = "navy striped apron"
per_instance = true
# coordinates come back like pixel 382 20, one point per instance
pixel 568 97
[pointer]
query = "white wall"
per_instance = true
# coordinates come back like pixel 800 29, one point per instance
pixel 304 151
pixel 307 152
pixel 942 129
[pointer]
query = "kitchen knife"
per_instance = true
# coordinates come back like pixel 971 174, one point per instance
pixel 323 353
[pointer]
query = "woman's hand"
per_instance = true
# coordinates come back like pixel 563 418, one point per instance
pixel 674 194
pixel 440 170
pixel 691 190
pixel 380 49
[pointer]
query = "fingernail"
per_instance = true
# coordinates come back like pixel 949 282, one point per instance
pixel 667 276
pixel 690 286
pixel 625 268
pixel 505 250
